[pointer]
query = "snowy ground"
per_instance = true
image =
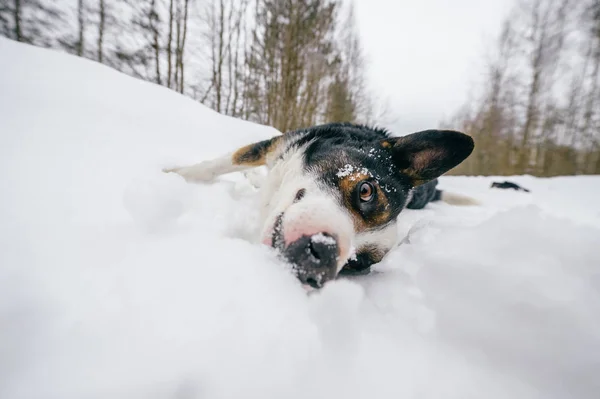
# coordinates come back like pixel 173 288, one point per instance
pixel 117 281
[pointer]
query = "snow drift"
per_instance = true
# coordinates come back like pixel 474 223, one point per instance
pixel 118 281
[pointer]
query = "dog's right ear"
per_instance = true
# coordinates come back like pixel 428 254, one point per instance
pixel 425 155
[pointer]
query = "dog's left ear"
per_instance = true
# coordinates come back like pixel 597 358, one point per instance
pixel 425 155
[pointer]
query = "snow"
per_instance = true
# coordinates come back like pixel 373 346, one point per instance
pixel 353 171
pixel 345 171
pixel 119 281
pixel 323 239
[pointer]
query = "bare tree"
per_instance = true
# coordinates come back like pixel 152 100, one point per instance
pixel 545 37
pixel 182 24
pixel 217 29
pixel 169 45
pixel 153 24
pixel 285 63
pixel 101 29
pixel 290 61
pixel 81 27
pixel 226 36
pixel 30 21
pixel 17 15
pixel 532 116
pixel 348 86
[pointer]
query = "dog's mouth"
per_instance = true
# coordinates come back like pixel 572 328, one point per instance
pixel 313 257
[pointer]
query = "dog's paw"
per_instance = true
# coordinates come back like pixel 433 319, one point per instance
pixel 201 172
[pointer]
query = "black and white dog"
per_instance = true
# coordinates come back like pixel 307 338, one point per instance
pixel 333 192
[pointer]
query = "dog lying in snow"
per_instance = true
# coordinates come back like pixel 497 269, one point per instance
pixel 333 192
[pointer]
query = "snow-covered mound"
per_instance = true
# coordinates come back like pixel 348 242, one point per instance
pixel 118 281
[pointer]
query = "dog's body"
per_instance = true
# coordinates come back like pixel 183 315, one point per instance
pixel 333 192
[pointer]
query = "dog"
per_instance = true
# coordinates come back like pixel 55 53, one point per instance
pixel 508 184
pixel 333 192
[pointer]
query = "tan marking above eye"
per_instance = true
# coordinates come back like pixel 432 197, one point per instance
pixel 380 216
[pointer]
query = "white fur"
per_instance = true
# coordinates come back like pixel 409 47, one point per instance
pixel 457 199
pixel 318 211
pixel 206 171
pixel 409 196
pixel 276 197
pixel 384 238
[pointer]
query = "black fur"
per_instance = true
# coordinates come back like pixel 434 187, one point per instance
pixel 361 263
pixel 428 154
pixel 508 184
pixel 398 165
pixel 330 148
pixel 424 194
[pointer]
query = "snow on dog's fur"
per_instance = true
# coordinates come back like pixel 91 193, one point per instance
pixel 333 192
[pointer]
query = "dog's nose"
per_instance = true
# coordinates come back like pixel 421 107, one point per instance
pixel 315 258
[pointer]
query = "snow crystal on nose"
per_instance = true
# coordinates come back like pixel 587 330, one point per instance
pixel 323 239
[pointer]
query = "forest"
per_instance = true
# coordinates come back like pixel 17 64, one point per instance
pixel 537 111
pixel 295 63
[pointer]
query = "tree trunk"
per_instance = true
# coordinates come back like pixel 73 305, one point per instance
pixel 177 43
pixel 229 52
pixel 81 23
pixel 101 24
pixel 237 73
pixel 531 117
pixel 169 47
pixel 156 44
pixel 219 82
pixel 17 16
pixel 593 94
pixel 181 53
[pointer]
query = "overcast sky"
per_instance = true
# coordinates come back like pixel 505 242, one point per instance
pixel 424 54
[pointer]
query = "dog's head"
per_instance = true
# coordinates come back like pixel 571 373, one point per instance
pixel 334 192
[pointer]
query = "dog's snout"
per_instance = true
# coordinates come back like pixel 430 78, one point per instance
pixel 315 258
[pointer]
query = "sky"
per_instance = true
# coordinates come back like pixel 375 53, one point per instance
pixel 424 56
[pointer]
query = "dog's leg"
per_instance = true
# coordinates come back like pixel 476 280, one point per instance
pixel 208 170
pixel 250 156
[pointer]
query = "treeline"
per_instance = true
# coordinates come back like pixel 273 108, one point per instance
pixel 295 63
pixel 538 111
pixel 284 63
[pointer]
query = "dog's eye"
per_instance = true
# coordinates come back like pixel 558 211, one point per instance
pixel 366 192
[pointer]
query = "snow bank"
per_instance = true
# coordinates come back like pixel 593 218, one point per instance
pixel 119 281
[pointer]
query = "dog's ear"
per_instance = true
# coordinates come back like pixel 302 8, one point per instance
pixel 425 155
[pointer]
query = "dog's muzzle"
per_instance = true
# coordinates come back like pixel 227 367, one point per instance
pixel 314 258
